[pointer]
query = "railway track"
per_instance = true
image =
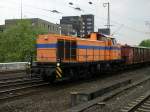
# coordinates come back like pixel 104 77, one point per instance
pixel 141 104
pixel 50 97
pixel 18 87
pixel 13 78
pixel 99 103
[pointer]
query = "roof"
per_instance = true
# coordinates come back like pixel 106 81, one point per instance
pixel 141 47
pixel 135 46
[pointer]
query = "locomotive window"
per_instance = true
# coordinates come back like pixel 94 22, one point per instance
pixel 73 50
pixel 70 49
pixel 103 38
pixel 113 41
pixel 60 49
pixel 66 50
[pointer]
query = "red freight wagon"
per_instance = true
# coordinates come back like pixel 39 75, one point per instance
pixel 135 54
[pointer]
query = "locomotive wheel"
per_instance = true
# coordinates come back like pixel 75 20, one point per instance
pixel 52 77
pixel 44 76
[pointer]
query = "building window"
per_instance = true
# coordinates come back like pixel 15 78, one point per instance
pixel 89 23
pixel 89 19
pixel 88 31
pixel 41 26
pixel 89 27
pixel 48 27
pixel 33 24
pixel 44 25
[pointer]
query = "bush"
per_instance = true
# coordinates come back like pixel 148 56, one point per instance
pixel 17 43
pixel 145 43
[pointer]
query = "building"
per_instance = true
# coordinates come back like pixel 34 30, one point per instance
pixel 82 25
pixel 67 29
pixel 75 21
pixel 105 31
pixel 87 24
pixel 47 26
pixel 2 28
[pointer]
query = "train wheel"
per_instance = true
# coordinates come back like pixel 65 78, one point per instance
pixel 44 77
pixel 49 75
pixel 52 77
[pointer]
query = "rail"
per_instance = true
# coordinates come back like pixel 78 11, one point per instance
pixel 100 100
pixel 141 104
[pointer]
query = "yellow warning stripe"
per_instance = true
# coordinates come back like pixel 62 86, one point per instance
pixel 58 73
pixel 59 69
pixel 57 77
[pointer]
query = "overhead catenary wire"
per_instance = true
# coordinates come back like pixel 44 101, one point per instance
pixel 32 13
pixel 102 18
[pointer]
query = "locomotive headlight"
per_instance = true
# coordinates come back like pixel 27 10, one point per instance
pixel 29 64
pixel 58 64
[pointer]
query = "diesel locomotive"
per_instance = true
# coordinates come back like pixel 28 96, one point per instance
pixel 62 57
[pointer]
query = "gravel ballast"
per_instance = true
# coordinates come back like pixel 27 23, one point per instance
pixel 57 98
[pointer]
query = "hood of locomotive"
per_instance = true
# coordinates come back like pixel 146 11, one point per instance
pixel 46 48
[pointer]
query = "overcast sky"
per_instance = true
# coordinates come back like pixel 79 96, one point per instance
pixel 128 17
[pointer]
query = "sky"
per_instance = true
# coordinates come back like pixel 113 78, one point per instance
pixel 130 19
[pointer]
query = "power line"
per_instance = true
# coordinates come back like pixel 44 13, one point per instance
pixel 108 14
pixel 125 26
pixel 33 13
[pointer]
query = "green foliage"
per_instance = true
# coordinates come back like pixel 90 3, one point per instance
pixel 17 43
pixel 145 43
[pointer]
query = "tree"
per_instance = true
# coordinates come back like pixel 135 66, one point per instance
pixel 145 43
pixel 17 42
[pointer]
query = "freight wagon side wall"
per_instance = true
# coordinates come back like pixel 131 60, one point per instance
pixel 140 55
pixel 127 54
pixel 147 54
pixel 134 55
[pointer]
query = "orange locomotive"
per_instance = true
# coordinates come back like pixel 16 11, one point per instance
pixel 62 57
pixel 95 47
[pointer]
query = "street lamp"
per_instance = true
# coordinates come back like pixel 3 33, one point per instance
pixel 108 16
pixel 90 3
pixel 21 9
pixel 59 29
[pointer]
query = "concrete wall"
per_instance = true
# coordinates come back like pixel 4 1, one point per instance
pixel 13 66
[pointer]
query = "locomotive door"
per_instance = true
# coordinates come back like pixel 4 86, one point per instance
pixel 60 49
pixel 66 50
pixel 70 50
